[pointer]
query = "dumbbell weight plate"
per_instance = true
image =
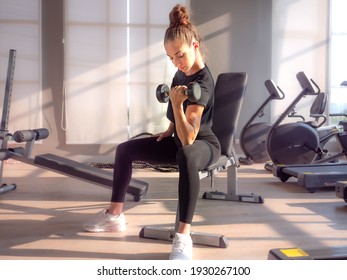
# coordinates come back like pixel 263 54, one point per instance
pixel 162 93
pixel 194 92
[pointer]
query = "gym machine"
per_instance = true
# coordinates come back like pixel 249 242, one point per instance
pixel 312 176
pixel 4 153
pixel 51 162
pixel 298 142
pixel 254 135
pixel 322 173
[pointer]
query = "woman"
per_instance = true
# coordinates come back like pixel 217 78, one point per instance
pixel 188 140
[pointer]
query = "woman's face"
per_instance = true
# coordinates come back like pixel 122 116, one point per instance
pixel 183 56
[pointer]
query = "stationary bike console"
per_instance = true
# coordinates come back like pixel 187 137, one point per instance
pixel 307 84
pixel 274 90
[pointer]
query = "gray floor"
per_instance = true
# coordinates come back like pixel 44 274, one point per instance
pixel 43 217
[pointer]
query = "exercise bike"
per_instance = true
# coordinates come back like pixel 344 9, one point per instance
pixel 253 135
pixel 323 172
pixel 299 142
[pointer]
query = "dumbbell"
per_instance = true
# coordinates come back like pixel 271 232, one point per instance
pixel 193 92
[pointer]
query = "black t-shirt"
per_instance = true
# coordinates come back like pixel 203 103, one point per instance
pixel 205 80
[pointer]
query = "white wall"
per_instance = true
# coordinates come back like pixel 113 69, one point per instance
pixel 300 41
pixel 238 39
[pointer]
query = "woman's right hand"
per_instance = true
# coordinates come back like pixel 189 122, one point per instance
pixel 167 133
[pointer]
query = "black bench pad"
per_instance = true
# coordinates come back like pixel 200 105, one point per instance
pixel 84 172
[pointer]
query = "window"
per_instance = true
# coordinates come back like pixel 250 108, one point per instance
pixel 338 59
pixel 114 60
pixel 20 29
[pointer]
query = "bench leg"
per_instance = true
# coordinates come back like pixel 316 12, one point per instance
pixel 232 192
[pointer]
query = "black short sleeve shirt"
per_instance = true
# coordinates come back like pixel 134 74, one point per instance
pixel 205 80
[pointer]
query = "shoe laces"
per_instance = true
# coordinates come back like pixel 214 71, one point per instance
pixel 179 244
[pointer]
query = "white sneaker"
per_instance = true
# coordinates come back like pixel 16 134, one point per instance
pixel 182 247
pixel 106 222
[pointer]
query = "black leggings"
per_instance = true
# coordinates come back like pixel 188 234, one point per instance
pixel 190 160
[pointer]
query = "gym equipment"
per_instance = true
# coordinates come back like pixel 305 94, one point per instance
pixel 51 162
pixel 193 92
pixel 325 133
pixel 253 135
pixel 294 137
pixel 341 189
pixel 66 166
pixel 296 253
pixel 5 154
pixel 297 143
pixel 316 112
pixel 229 92
pixel 312 176
pixel 323 173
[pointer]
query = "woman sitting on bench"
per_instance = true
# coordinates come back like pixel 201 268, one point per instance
pixel 189 140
